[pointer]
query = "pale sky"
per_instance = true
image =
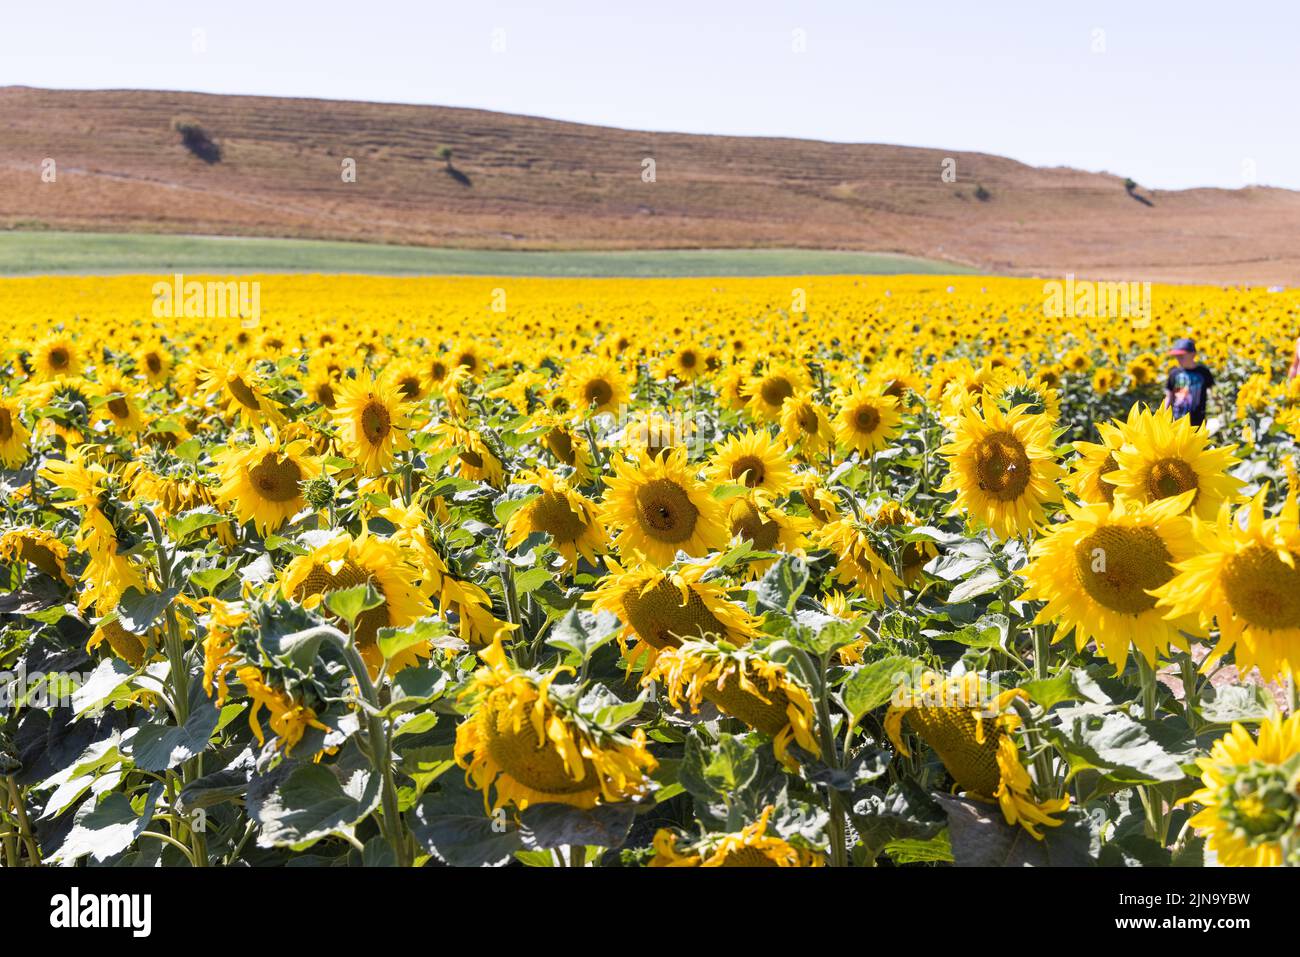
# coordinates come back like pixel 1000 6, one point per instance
pixel 1173 94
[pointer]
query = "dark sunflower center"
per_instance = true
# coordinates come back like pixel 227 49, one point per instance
pixel 59 358
pixel 866 418
pixel 775 390
pixel 276 479
pixel 376 423
pixel 325 395
pixel 748 857
pixel 119 408
pixel 806 419
pixel 1262 589
pixel 1002 466
pixel 1170 477
pixel 552 514
pixel 438 371
pixel 1117 566
pixel 951 732
pixel 688 360
pixel 751 467
pixel 471 458
pixel 662 619
pixel 320 580
pixel 560 443
pixel 1107 490
pixel 468 360
pixel 6 425
pixel 153 363
pixel 666 511
pixel 597 392
pixel 768 716
pixel 409 386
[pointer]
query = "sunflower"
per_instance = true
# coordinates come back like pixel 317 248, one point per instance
pixel 14 436
pixel 658 434
pixel 474 459
pixel 866 421
pixel 154 362
pixel 595 385
pixel 768 391
pixel 565 445
pixel 745 683
pixel 658 508
pixel 1097 572
pixel 1002 467
pixel 240 390
pixel 532 745
pixel 973 733
pixel 1250 795
pixel 1244 575
pixel 805 425
pixel 117 403
pixel 1163 457
pixel 54 357
pixel 290 718
pixel 373 418
pixel 685 363
pixel 564 515
pixel 753 518
pixel 857 545
pixel 1096 460
pixel 344 562
pixel 38 548
pixel 821 504
pixel 752 846
pixel 1011 388
pixel 125 644
pixel 407 376
pixel 752 459
pixel 262 483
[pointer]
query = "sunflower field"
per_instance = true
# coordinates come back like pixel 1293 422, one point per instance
pixel 644 573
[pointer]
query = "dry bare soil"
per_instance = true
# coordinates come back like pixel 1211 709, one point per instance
pixel 517 182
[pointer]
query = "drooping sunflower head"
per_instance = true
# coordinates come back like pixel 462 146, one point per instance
pixel 1003 467
pixel 240 390
pixel 343 562
pixel 1164 457
pixel 529 742
pixel 659 507
pixel 1250 794
pixel 373 418
pixel 566 445
pixel 754 460
pixel 661 608
pixel 1097 572
pixel 14 435
pixel 971 729
pixel 751 683
pixel 475 460
pixel 822 505
pixel 752 846
pixel 263 483
pixel 567 517
pixel 38 548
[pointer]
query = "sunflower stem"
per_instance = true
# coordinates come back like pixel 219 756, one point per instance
pixel 831 755
pixel 24 824
pixel 1157 826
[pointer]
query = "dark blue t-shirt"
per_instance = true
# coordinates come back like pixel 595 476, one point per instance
pixel 1190 388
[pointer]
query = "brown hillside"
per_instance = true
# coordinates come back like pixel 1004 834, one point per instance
pixel 525 183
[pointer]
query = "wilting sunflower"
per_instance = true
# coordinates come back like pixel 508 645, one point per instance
pixel 1097 572
pixel 805 426
pixel 1002 467
pixel 125 644
pixel 531 744
pixel 866 420
pixel 290 718
pixel 768 391
pixel 663 608
pixel 38 548
pixel 746 683
pixel 344 562
pixel 55 356
pixel 1096 460
pixel 1244 575
pixel 1250 795
pixel 754 460
pixel 658 507
pixel 240 390
pixel 595 385
pixel 564 515
pixel 821 504
pixel 973 733
pixel 752 846
pixel 14 436
pixel 857 546
pixel 753 518
pixel 1163 457
pixel 262 483
pixel 474 459
pixel 373 418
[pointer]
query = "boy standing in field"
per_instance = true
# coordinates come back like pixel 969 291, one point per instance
pixel 1189 384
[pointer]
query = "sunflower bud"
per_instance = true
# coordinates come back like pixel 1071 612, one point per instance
pixel 319 492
